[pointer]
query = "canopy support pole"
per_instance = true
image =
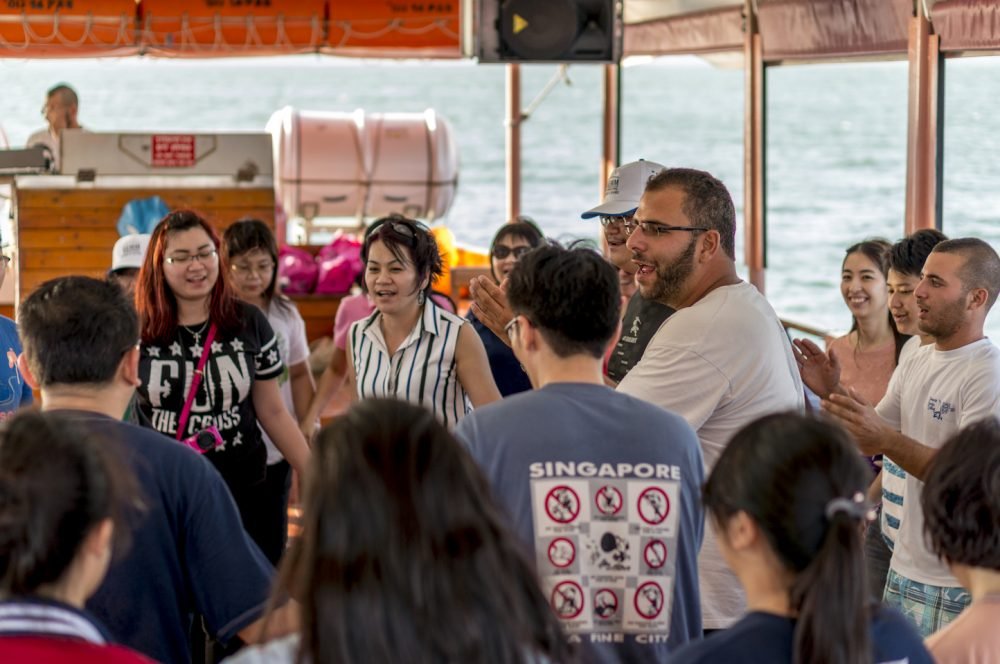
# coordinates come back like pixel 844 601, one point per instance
pixel 754 144
pixel 512 131
pixel 611 125
pixel 925 127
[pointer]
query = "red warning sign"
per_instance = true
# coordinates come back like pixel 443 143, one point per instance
pixel 562 504
pixel 562 553
pixel 605 604
pixel 608 500
pixel 655 554
pixel 173 150
pixel 654 506
pixel 649 600
pixel 567 600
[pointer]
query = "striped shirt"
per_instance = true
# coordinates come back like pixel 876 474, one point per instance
pixel 422 370
pixel 894 477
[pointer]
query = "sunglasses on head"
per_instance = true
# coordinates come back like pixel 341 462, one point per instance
pixel 404 229
pixel 501 251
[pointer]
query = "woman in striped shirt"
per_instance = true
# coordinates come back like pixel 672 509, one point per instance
pixel 409 348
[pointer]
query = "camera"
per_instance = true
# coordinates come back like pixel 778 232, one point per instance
pixel 205 440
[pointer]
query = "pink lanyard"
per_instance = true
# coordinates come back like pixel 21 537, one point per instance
pixel 195 382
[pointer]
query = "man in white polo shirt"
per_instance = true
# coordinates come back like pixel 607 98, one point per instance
pixel 936 391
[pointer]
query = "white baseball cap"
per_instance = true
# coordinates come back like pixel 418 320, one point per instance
pixel 129 252
pixel 624 189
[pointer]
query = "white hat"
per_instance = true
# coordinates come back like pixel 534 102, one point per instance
pixel 129 252
pixel 625 187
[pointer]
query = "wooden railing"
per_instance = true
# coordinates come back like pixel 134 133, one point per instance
pixel 810 330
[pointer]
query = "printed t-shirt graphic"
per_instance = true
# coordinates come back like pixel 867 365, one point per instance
pixel 224 398
pixel 603 544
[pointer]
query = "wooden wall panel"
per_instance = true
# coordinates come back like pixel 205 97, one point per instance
pixel 318 312
pixel 72 230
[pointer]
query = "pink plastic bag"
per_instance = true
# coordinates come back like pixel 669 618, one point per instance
pixel 339 263
pixel 336 275
pixel 341 244
pixel 297 271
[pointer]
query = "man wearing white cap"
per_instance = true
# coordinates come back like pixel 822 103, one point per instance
pixel 126 259
pixel 642 317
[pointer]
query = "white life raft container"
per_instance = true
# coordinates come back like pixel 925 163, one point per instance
pixel 358 165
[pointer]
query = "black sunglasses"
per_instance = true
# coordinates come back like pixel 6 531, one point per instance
pixel 502 251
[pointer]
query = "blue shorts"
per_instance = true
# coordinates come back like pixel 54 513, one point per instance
pixel 928 607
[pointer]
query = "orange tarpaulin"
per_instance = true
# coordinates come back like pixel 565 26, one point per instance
pixel 430 26
pixel 207 28
pixel 66 28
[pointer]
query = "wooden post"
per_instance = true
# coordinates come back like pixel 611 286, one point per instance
pixel 513 140
pixel 925 124
pixel 611 125
pixel 754 143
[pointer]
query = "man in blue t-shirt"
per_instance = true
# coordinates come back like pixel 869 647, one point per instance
pixel 189 553
pixel 602 486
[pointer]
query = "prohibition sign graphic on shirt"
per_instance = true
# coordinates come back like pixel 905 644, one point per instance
pixel 655 553
pixel 567 600
pixel 649 600
pixel 608 500
pixel 654 505
pixel 605 604
pixel 562 553
pixel 562 504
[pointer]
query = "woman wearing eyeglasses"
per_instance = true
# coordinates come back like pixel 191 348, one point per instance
pixel 250 253
pixel 511 242
pixel 410 348
pixel 209 364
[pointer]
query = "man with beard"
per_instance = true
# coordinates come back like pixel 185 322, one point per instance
pixel 723 359
pixel 934 392
pixel 642 317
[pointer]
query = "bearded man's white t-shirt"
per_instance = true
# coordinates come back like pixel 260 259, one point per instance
pixel 720 363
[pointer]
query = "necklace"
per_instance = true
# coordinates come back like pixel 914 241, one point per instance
pixel 196 333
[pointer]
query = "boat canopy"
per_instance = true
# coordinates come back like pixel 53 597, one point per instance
pixel 790 29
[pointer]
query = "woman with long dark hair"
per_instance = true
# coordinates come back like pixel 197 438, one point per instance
pixel 410 348
pixel 250 253
pixel 868 353
pixel 403 555
pixel 863 360
pixel 787 501
pixel 209 364
pixel 65 502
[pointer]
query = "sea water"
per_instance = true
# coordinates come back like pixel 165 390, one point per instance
pixel 836 139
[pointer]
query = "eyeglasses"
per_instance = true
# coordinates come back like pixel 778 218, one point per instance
pixel 187 259
pixel 657 229
pixel 502 251
pixel 261 269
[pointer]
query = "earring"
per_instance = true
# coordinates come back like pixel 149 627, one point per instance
pixel 420 298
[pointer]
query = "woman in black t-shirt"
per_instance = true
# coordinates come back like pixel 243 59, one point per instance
pixel 186 308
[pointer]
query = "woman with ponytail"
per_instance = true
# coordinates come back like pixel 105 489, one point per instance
pixel 786 499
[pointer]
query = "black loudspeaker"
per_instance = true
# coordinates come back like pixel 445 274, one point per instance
pixel 547 30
